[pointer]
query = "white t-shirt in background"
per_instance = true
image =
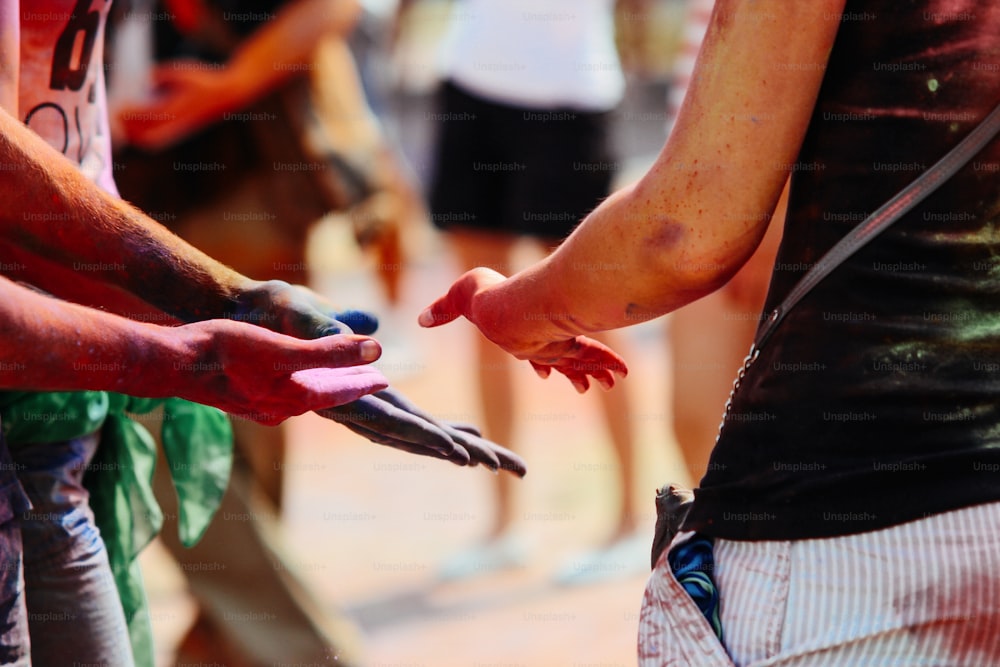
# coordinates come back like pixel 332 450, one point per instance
pixel 535 53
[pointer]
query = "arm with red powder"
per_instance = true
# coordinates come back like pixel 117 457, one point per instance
pixel 72 239
pixel 695 217
pixel 127 257
pixel 48 344
pixel 67 236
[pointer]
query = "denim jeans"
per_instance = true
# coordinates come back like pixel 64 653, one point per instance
pixel 14 644
pixel 73 610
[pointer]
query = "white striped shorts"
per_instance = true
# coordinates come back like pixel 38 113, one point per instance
pixel 922 593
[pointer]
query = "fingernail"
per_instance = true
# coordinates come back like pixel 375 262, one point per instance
pixel 580 388
pixel 606 384
pixel 426 318
pixel 542 373
pixel 370 350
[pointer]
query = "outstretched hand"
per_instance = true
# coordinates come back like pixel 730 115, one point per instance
pixel 266 376
pixel 389 418
pixel 476 295
pixel 386 417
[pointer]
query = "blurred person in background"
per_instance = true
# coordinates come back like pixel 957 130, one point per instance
pixel 526 104
pixel 255 86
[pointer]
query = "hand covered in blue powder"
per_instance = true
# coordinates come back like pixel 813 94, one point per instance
pixel 295 310
pixel 388 418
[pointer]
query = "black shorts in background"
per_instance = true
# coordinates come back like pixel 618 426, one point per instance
pixel 534 172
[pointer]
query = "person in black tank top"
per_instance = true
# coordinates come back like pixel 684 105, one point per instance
pixel 883 381
pixel 857 467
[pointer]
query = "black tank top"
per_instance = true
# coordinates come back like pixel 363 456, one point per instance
pixel 877 401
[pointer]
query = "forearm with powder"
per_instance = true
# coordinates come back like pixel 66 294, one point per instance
pixel 68 223
pixel 48 344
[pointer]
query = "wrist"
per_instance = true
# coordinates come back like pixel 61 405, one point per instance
pixel 517 309
pixel 255 302
pixel 172 361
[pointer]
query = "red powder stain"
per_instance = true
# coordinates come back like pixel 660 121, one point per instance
pixel 968 636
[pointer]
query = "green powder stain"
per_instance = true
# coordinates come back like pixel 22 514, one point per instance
pixel 932 85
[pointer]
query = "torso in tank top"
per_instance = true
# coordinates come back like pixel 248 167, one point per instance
pixel 61 92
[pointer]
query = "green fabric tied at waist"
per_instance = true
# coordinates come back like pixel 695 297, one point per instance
pixel 198 445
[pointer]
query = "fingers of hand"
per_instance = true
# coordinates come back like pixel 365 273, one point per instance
pixel 479 450
pixel 438 313
pixel 396 398
pixel 542 370
pixel 389 418
pixel 467 436
pixel 318 317
pixel 396 443
pixel 381 417
pixel 471 429
pixel 510 461
pixel 359 321
pixel 337 350
pixel 489 453
pixel 343 350
pixel 580 360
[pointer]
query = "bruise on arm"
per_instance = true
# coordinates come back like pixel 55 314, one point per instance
pixel 697 215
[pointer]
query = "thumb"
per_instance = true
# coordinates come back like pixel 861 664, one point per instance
pixel 458 301
pixel 359 321
pixel 452 305
pixel 438 313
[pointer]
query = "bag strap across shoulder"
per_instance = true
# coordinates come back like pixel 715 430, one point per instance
pixel 673 502
pixel 868 229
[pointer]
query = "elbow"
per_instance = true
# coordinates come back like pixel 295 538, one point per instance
pixel 694 278
pixel 701 274
pixel 690 266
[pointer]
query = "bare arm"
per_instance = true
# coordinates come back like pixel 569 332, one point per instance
pixel 59 230
pixel 57 225
pixel 692 221
pixel 192 96
pixel 64 220
pixel 274 50
pixel 48 344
